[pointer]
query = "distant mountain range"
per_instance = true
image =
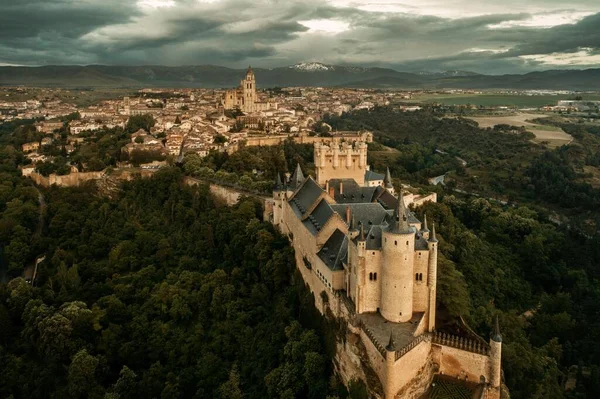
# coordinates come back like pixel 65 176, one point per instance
pixel 302 74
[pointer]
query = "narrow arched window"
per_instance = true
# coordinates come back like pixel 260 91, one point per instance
pixel 395 242
pixel 417 276
pixel 420 276
pixel 375 276
pixel 371 276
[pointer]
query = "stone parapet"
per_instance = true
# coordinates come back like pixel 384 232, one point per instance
pixel 461 343
pixel 407 348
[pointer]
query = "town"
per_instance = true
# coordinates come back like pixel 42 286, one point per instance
pixel 197 121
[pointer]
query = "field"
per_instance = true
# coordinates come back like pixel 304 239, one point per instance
pixel 490 99
pixel 555 136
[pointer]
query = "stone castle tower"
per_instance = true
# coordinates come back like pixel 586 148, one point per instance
pixel 340 161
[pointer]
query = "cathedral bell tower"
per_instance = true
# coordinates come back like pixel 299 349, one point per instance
pixel 249 91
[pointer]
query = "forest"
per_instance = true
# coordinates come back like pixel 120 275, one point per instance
pixel 158 292
pixel 162 292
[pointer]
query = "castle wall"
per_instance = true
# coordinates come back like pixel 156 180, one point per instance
pixel 70 180
pixel 371 298
pixel 338 280
pixel 270 140
pixel 420 289
pixel 461 364
pixel 406 368
pixel 376 359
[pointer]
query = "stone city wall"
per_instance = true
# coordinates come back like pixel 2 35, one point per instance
pixel 70 180
pixel 270 140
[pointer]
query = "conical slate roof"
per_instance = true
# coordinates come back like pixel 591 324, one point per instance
pixel 278 182
pixel 391 346
pixel 361 236
pixel 388 179
pixel 400 219
pixel 297 178
pixel 496 336
pixel 425 229
pixel 433 238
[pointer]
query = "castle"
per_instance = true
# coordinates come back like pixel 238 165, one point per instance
pixel 244 97
pixel 373 265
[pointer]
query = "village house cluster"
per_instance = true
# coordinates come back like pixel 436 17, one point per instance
pixel 194 120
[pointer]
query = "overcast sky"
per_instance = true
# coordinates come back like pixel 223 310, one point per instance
pixel 487 36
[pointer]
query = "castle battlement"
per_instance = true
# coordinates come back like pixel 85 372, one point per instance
pixel 340 160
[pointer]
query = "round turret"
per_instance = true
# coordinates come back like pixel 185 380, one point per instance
pixel 398 246
pixel 495 356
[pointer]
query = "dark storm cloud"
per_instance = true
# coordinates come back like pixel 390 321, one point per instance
pixel 71 19
pixel 274 33
pixel 564 38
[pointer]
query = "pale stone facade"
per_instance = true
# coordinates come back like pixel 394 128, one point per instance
pixel 373 264
pixel 341 161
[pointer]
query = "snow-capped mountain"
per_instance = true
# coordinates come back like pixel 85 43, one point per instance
pixel 448 73
pixel 312 67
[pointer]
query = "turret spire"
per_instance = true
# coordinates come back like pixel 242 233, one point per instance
pixel 388 179
pixel 353 223
pixel 297 178
pixel 400 222
pixel 496 336
pixel 391 344
pixel 425 223
pixel 433 237
pixel 361 237
pixel 278 182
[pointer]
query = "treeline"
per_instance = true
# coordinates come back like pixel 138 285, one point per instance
pixel 159 292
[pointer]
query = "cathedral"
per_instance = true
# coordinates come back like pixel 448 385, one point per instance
pixel 372 265
pixel 245 97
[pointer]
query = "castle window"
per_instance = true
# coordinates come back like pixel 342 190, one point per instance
pixel 371 276
pixel 420 276
pixel 416 276
pixel 395 242
pixel 375 276
pixel 406 242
